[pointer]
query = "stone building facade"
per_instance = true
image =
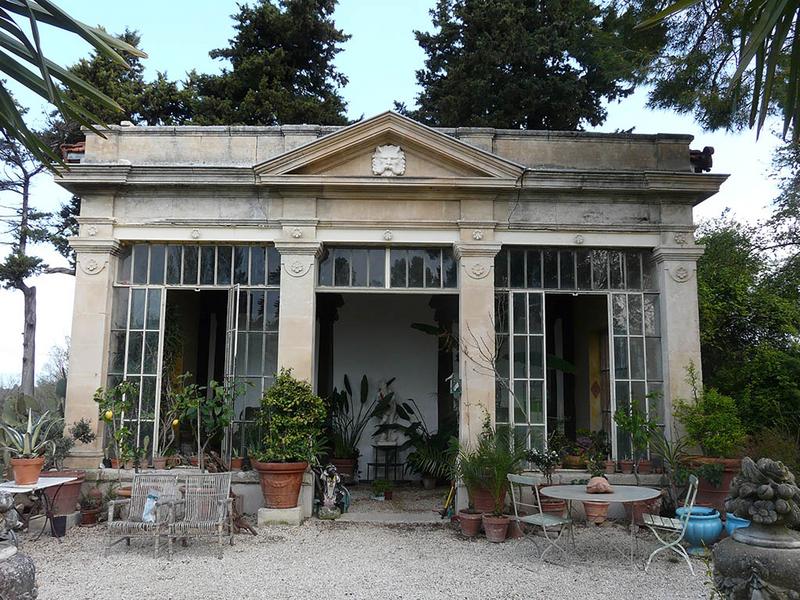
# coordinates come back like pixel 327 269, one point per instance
pixel 564 261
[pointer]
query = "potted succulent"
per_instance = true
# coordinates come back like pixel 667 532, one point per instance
pixel 28 446
pixel 348 419
pixel 291 419
pixel 236 460
pixel 498 458
pixel 381 490
pixel 712 423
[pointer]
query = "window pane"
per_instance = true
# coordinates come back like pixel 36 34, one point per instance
pixel 153 308
pixel 517 267
pixel 637 357
pixel 173 265
pixel 150 352
pixel 520 356
pixel 207 258
pixel 635 314
pixel 255 348
pixel 359 267
pixel 148 406
pixel 551 269
pixel 615 267
pixel 501 269
pixel 535 313
pixel 241 255
pixel 520 402
pixel 620 313
pixel 377 267
pixel 652 317
pixel 241 352
pixel 449 268
pixel 653 347
pixel 584 260
pixel 258 263
pixel 190 265
pixel 567 270
pixel 521 436
pixel 501 312
pixel 398 268
pixel 116 351
pixel 501 364
pixel 273 266
pixel 520 310
pixel 536 357
pixel 536 403
pixel 600 269
pixel 633 271
pixel 140 261
pixel 501 403
pixel 271 353
pixel 119 309
pixel 256 311
pixel 326 268
pixel 137 309
pixel 157 255
pixel 135 352
pixel 272 310
pixel 433 268
pixel 341 267
pixel 534 269
pixel 621 357
pixel 124 266
pixel 416 268
pixel 537 437
pixel 224 258
pixel 649 281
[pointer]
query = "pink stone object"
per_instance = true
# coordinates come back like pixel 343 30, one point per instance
pixel 599 485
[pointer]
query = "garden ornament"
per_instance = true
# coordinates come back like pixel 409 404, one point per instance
pixel 762 560
pixel 599 485
pixel 330 493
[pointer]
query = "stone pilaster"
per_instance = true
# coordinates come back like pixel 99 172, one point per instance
pixel 296 327
pixel 96 261
pixel 676 275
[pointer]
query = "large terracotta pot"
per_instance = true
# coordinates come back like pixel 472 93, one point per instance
pixel 66 498
pixel 626 466
pixel 280 482
pixel 596 512
pixel 496 528
pixel 482 499
pixel 236 463
pixel 470 522
pixel 346 467
pixel 645 467
pixel 27 470
pixel 709 494
pixel 573 461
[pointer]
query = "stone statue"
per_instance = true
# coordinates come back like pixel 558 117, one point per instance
pixel 17 572
pixel 333 494
pixel 763 560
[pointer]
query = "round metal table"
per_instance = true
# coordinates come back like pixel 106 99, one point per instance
pixel 622 494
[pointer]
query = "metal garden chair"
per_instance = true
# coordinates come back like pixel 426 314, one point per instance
pixel 131 522
pixel 539 518
pixel 206 509
pixel 673 530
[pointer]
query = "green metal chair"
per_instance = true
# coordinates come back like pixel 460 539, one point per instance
pixel 673 530
pixel 548 523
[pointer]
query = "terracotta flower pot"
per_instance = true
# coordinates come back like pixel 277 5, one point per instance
pixel 554 506
pixel 236 463
pixel 482 499
pixel 470 522
pixel 596 512
pixel 27 470
pixel 346 467
pixel 89 517
pixel 626 466
pixel 611 466
pixel 388 494
pixel 280 482
pixel 496 528
pixel 573 461
pixel 65 499
pixel 645 467
pixel 708 493
pixel 160 462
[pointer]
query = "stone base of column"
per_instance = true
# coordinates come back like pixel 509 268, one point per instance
pixel 280 516
pixel 84 460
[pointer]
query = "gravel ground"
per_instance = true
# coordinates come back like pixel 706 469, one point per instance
pixel 405 498
pixel 337 560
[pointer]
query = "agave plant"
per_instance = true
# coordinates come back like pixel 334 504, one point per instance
pixel 33 441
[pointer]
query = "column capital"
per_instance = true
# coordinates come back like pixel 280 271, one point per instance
pixel 95 245
pixel 476 250
pixel 297 248
pixel 663 254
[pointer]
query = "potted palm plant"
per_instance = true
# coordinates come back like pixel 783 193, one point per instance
pixel 348 419
pixel 498 457
pixel 291 420
pixel 28 446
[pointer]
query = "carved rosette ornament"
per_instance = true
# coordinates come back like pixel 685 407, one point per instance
pixel 681 274
pixel 91 230
pixel 389 161
pixel 477 235
pixel 195 234
pixel 91 266
pixel 579 239
pixel 761 560
pixel 297 233
pixel 680 238
pixel 478 270
pixel 388 235
pixel 298 268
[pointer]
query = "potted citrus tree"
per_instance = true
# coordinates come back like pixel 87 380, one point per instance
pixel 291 419
pixel 28 446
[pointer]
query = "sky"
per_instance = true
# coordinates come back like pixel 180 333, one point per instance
pixel 380 61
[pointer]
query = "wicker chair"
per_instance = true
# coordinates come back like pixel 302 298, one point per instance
pixel 131 523
pixel 206 509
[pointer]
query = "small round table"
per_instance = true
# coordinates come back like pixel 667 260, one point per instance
pixel 622 494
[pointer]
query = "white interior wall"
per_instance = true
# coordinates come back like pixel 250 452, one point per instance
pixel 373 337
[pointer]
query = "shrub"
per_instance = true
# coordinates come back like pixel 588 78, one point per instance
pixel 291 418
pixel 712 422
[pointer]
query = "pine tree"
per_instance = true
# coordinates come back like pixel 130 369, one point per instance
pixel 528 64
pixel 281 68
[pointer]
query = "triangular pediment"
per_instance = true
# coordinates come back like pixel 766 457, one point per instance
pixel 426 154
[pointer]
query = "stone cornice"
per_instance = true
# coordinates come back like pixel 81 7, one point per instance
pixel 666 254
pixel 80 244
pixel 299 248
pixel 475 250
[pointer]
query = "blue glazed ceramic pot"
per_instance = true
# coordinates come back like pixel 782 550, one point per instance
pixel 732 523
pixel 703 529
